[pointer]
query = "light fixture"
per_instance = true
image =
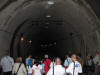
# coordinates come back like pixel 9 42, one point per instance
pixel 50 2
pixel 47 23
pixel 48 16
pixel 30 41
pixel 22 39
pixel 55 43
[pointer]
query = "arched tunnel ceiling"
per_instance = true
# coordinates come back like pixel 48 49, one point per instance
pixel 95 5
pixel 75 17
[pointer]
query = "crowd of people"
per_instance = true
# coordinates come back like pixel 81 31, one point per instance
pixel 73 64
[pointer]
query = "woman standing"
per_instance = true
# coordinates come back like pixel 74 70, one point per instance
pixel 19 67
pixel 37 68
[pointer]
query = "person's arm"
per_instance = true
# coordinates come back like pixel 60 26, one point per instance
pixel 1 62
pixel 65 63
pixel 80 69
pixel 41 72
pixel 13 70
pixel 24 69
pixel 70 68
pixel 26 62
pixel 12 60
pixel 32 72
pixel 33 62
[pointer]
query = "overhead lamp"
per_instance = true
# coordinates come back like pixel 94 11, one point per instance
pixel 30 41
pixel 22 39
pixel 50 2
pixel 48 16
pixel 47 23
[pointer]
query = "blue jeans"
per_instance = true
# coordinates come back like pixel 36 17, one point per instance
pixel 29 74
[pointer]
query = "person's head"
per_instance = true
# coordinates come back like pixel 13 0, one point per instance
pixel 46 56
pixel 8 53
pixel 88 57
pixel 74 57
pixel 91 57
pixel 19 59
pixel 78 55
pixel 29 56
pixel 67 56
pixel 97 53
pixel 37 62
pixel 57 61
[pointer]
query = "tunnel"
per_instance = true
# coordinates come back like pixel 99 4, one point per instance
pixel 54 27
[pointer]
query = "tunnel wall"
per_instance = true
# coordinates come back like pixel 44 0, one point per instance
pixel 5 39
pixel 92 42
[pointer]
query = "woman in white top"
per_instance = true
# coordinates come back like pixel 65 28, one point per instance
pixel 37 68
pixel 22 69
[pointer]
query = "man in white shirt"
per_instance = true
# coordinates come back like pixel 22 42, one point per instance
pixel 57 69
pixel 96 59
pixel 75 67
pixel 7 63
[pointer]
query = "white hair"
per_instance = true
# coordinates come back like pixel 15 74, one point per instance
pixel 46 56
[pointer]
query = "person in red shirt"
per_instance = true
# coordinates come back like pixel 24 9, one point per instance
pixel 47 63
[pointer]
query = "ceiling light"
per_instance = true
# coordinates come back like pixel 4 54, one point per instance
pixel 47 23
pixel 22 39
pixel 50 2
pixel 30 41
pixel 48 16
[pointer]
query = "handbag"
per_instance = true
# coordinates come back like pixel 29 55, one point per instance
pixel 15 73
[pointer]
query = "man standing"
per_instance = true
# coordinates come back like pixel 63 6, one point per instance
pixel 96 62
pixel 29 64
pixel 47 63
pixel 75 67
pixel 67 62
pixel 57 69
pixel 7 63
pixel 29 60
pixel 96 59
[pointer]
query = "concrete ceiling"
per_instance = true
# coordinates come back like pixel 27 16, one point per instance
pixel 76 16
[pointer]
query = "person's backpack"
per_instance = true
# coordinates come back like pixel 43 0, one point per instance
pixel 30 62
